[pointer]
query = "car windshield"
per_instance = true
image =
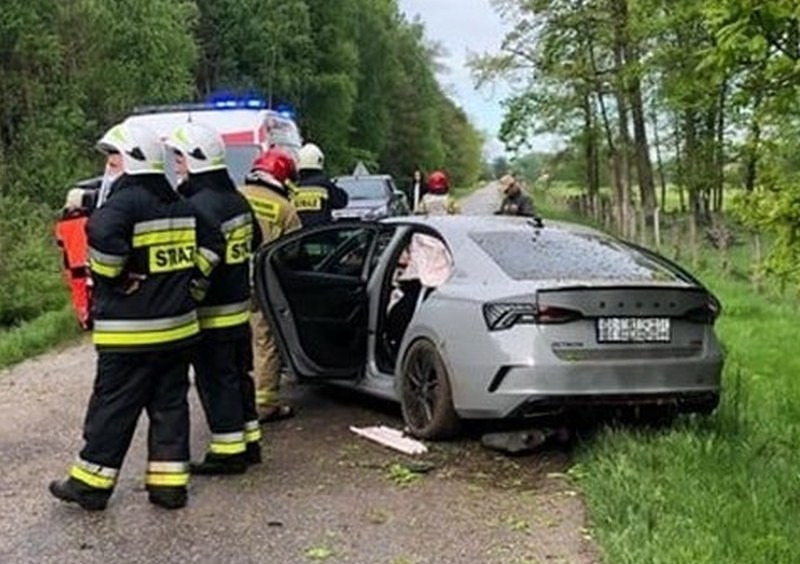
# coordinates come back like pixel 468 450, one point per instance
pixel 566 255
pixel 238 158
pixel 363 188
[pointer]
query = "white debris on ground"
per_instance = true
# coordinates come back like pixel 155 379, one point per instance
pixel 392 438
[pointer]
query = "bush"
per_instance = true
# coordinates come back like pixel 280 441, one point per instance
pixel 29 262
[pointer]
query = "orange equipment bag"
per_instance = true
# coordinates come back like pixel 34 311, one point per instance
pixel 71 237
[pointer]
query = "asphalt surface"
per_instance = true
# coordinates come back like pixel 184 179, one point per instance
pixel 322 494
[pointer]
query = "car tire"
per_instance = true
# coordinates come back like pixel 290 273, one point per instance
pixel 426 396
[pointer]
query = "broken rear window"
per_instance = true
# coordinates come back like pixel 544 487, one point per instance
pixel 548 254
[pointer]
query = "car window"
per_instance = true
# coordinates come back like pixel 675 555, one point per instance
pixel 364 188
pixel 334 251
pixel 561 254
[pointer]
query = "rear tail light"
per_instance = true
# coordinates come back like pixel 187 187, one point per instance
pixel 706 314
pixel 499 316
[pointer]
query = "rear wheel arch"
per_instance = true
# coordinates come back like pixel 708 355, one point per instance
pixel 425 392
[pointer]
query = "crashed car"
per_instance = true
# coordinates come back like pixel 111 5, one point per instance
pixel 509 319
pixel 370 197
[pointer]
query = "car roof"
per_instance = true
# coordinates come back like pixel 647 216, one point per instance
pixel 364 177
pixel 469 236
pixel 462 225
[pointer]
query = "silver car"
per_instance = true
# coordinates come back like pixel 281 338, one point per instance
pixel 532 319
pixel 370 197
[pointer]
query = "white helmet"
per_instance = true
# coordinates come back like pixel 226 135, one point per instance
pixel 141 149
pixel 201 145
pixel 311 157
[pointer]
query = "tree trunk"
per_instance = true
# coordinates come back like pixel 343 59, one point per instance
pixel 619 13
pixel 680 167
pixel 719 145
pixel 659 162
pixel 694 165
pixel 591 155
pixel 644 167
pixel 616 165
pixel 752 147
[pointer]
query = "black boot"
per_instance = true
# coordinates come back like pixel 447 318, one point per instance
pixel 253 454
pixel 167 497
pixel 214 464
pixel 73 491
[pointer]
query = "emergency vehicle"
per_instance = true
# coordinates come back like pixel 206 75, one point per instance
pixel 248 127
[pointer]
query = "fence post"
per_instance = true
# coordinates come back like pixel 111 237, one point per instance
pixel 657 227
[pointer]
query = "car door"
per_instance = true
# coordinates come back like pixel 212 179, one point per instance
pixel 312 286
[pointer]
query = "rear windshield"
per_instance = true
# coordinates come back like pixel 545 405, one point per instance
pixel 363 188
pixel 558 254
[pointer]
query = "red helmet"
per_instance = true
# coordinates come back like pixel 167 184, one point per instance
pixel 277 163
pixel 438 182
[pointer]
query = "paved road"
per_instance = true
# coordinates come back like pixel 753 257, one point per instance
pixel 322 494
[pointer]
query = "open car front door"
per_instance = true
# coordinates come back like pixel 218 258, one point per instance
pixel 312 287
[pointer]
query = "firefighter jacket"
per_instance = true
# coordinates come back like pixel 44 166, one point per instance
pixel 148 249
pixel 225 312
pixel 275 213
pixel 437 204
pixel 315 197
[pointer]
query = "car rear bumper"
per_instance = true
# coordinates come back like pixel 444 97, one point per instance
pixel 523 391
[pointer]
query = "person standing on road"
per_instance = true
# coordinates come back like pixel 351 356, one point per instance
pixel 515 201
pixel 315 196
pixel 266 188
pixel 150 255
pixel 418 189
pixel 438 200
pixel 223 358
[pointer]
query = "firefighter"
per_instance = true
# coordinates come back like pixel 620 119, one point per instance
pixel 515 201
pixel 314 195
pixel 266 188
pixel 438 200
pixel 222 360
pixel 149 256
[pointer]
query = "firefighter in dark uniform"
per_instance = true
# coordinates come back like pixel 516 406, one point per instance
pixel 224 357
pixel 149 256
pixel 315 196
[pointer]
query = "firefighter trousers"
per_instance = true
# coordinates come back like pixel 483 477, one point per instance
pixel 222 375
pixel 267 362
pixel 125 385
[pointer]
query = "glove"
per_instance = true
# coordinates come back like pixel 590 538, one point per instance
pixel 131 284
pixel 74 199
pixel 198 288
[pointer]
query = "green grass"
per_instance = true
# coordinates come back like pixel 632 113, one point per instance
pixel 720 489
pixel 37 335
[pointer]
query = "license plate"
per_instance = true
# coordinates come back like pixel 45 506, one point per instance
pixel 633 330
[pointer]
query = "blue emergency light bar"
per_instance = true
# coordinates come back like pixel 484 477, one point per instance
pixel 220 104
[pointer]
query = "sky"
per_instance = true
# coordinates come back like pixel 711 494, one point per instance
pixel 463 27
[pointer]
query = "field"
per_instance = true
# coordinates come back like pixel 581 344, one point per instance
pixel 720 489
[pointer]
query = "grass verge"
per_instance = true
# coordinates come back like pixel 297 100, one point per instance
pixel 37 335
pixel 725 488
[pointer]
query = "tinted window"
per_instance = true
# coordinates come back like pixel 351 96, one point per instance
pixel 558 254
pixel 364 188
pixel 335 251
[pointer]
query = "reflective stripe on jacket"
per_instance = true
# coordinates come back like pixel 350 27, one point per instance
pixel 147 247
pixel 225 311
